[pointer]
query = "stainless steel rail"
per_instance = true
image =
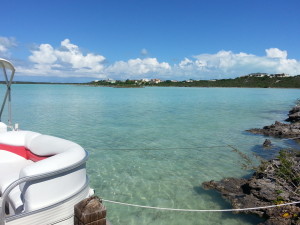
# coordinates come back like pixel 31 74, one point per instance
pixel 4 197
pixel 4 64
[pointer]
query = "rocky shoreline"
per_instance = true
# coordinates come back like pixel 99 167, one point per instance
pixel 282 130
pixel 274 182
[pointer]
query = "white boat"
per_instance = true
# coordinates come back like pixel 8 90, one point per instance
pixel 42 177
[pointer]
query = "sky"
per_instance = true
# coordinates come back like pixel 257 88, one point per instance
pixel 81 41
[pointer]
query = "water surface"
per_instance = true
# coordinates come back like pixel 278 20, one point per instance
pixel 155 146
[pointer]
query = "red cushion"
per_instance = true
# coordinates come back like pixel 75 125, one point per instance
pixel 23 152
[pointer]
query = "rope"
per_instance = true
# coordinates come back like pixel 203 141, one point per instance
pixel 199 147
pixel 199 210
pixel 195 210
pixel 132 149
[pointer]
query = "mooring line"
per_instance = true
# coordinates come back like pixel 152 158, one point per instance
pixel 174 148
pixel 152 149
pixel 198 210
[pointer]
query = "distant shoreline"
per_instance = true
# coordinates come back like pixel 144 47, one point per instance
pixel 239 82
pixel 89 85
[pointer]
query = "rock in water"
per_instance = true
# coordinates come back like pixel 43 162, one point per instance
pixel 267 143
pixel 278 129
pixel 294 115
pixel 282 130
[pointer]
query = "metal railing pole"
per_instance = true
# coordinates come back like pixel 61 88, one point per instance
pixel 8 93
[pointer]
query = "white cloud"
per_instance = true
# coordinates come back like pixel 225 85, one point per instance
pixel 66 61
pixel 72 55
pixel 45 54
pixel 6 44
pixel 225 64
pixel 186 63
pixel 276 53
pixel 139 67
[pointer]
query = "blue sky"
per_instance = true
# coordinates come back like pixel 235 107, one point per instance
pixel 134 39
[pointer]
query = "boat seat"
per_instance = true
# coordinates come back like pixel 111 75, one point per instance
pixel 41 193
pixel 12 157
pixel 12 161
pixel 10 166
pixel 10 169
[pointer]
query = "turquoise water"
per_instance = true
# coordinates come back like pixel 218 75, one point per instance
pixel 155 146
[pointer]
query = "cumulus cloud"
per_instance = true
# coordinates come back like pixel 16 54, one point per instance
pixel 226 64
pixel 71 54
pixel 6 44
pixel 276 53
pixel 67 60
pixel 186 63
pixel 138 67
pixel 45 54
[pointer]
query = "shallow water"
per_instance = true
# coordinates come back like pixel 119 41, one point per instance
pixel 155 146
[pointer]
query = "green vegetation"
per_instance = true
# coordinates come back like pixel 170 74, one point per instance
pixel 253 162
pixel 260 82
pixel 118 84
pixel 284 169
pixel 250 81
pixel 288 168
pixel 245 81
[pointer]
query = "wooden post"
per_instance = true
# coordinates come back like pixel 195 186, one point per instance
pixel 90 211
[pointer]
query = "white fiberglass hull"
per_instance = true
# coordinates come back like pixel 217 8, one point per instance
pixel 61 213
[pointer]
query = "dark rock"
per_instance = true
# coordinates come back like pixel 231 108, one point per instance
pixel 264 188
pixel 294 115
pixel 281 130
pixel 295 109
pixel 277 221
pixel 267 143
pixel 226 186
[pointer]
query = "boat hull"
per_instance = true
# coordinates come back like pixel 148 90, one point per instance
pixel 61 213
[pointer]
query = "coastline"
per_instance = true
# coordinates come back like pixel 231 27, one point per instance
pixel 244 81
pixel 239 82
pixel 274 182
pixel 91 85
